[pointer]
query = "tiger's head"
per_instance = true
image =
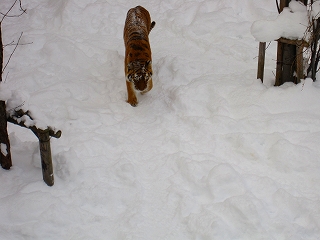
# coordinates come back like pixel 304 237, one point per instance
pixel 140 74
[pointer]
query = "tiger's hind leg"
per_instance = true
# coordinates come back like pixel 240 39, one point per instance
pixel 132 98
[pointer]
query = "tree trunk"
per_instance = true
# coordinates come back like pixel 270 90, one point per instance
pixel 313 67
pixel 5 154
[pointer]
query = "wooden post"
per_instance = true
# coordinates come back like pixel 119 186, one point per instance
pixel 285 57
pixel 278 82
pixel 283 4
pixel 44 143
pixel 261 58
pixel 300 74
pixel 46 159
pixel 289 56
pixel 288 63
pixel 279 64
pixel 291 63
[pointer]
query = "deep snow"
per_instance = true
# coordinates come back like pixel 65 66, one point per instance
pixel 209 153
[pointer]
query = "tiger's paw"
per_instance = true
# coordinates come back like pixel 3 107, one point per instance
pixel 133 103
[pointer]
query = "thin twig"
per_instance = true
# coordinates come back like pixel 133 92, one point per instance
pixel 8 44
pixel 13 44
pixel 6 77
pixel 265 49
pixel 15 109
pixel 20 4
pixel 6 14
pixel 268 45
pixel 12 53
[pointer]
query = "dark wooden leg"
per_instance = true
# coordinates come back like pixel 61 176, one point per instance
pixel 279 64
pixel 46 159
pixel 300 74
pixel 262 52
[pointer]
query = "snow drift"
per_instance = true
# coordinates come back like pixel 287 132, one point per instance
pixel 209 153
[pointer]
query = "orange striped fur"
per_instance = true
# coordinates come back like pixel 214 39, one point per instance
pixel 138 62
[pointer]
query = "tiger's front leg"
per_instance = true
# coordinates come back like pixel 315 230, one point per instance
pixel 132 98
pixel 149 87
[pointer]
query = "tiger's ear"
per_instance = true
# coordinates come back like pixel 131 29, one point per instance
pixel 152 25
pixel 148 64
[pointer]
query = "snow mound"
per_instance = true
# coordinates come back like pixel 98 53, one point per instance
pixel 291 23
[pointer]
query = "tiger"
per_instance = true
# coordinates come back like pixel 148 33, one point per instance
pixel 137 62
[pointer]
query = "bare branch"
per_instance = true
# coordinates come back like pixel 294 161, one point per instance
pixel 5 79
pixel 12 53
pixel 4 15
pixel 4 45
pixel 7 13
pixel 21 8
pixel 12 44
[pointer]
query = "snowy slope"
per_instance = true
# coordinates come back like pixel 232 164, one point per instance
pixel 209 153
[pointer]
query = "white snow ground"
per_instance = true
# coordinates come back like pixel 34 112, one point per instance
pixel 209 153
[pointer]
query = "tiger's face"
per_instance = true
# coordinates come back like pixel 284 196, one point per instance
pixel 140 74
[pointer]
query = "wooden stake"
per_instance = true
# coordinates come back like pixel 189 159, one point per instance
pixel 44 143
pixel 261 58
pixel 46 159
pixel 279 64
pixel 283 4
pixel 300 74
